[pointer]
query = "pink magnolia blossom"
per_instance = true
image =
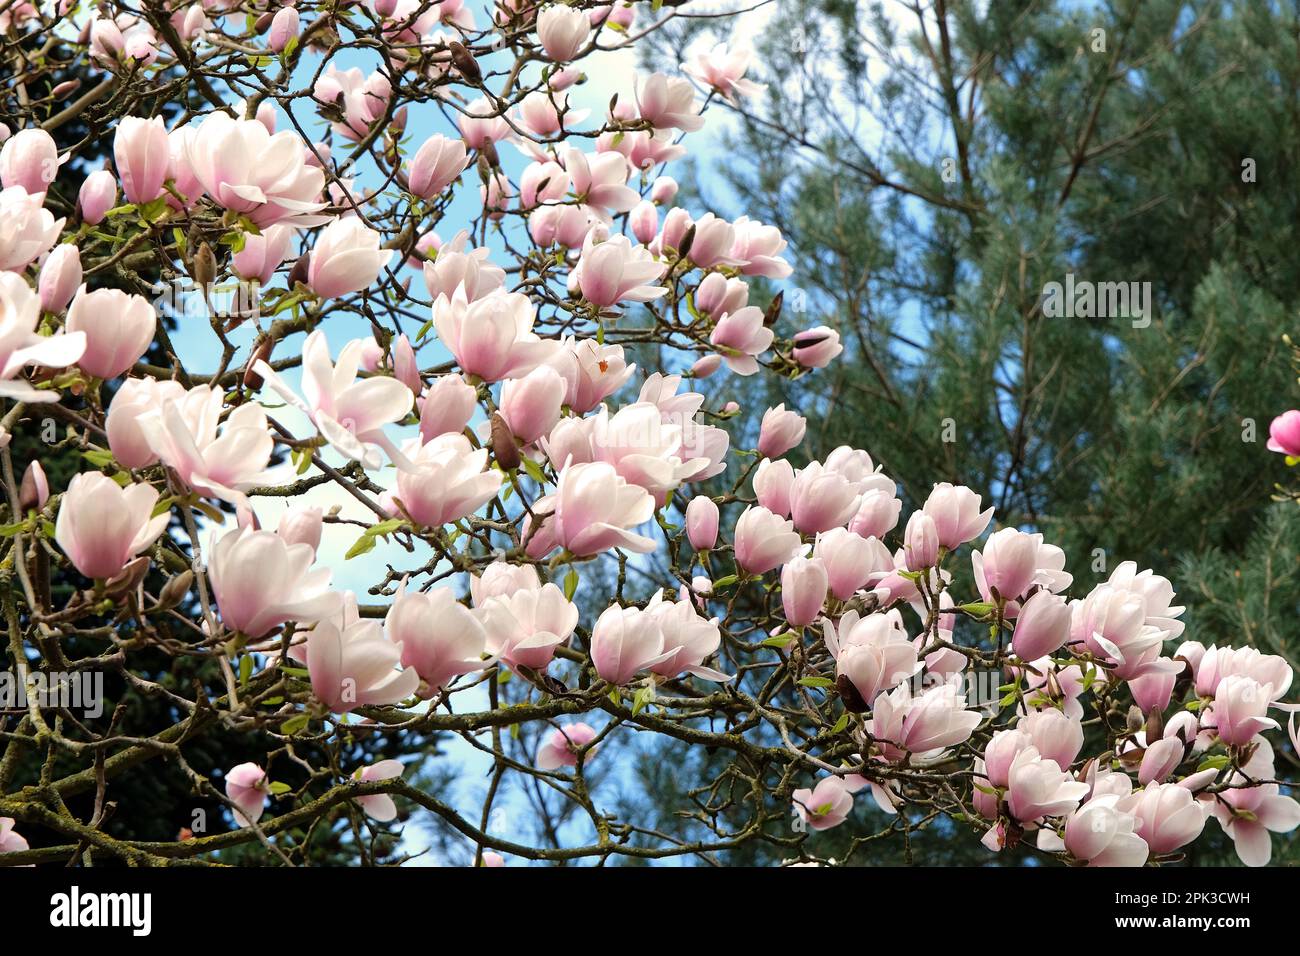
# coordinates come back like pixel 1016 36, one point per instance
pixel 260 582
pixel 615 271
pixel 1284 434
pixel 724 70
pixel 440 637
pixel 446 480
pixel 30 160
pixel 248 789
pixel 872 652
pixel 101 525
pixel 803 590
pixel 10 840
pixel 27 228
pixel 301 525
pixel 702 522
pixel 593 509
pixel 350 414
pixel 526 626
pixel 826 805
pixel 142 154
pixel 60 277
pixel 352 664
pixel 219 460
pixel 97 196
pixel 763 540
pixel 119 329
pixel 244 168
pixel 780 431
pixel 491 337
pixel 956 514
pixel 625 641
pixel 378 806
pixel 563 743
pixel 1102 834
pixel 346 258
pixel 562 31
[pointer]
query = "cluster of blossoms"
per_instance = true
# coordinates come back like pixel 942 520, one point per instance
pixel 488 427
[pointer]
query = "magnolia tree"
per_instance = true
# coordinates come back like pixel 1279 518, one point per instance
pixel 494 429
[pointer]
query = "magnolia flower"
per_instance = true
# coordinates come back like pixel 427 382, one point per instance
pixel 247 788
pixel 956 513
pixel 826 805
pixel 592 510
pixel 525 627
pixel 851 560
pixel 361 98
pixel 763 540
pixel 922 725
pixel 101 525
pixel 1041 627
pixel 502 579
pixel 724 71
pixel 21 345
pixel 1247 814
pixel 301 525
pixel 821 499
pixel 30 160
pixel 756 249
pixel 803 590
pixel 1157 596
pixel 436 165
pixel 181 432
pixel 1101 834
pixel 118 327
pixel 563 744
pixel 262 255
pixel 702 517
pixel 626 640
pixel 689 638
pixel 10 841
pixel 600 371
pixel 352 664
pixel 60 277
pixel 613 271
pixel 1112 624
pixel 245 168
pixel 739 336
pixel 531 405
pixel 377 806
pixel 772 481
pixel 1284 434
pixel 261 582
pixel 562 31
pixel 346 258
pixel 446 406
pixel 816 347
pixel 98 194
pixel 600 181
pixel 455 268
pixel 1218 663
pixel 27 229
pixel 1012 562
pixel 1038 788
pixel 134 399
pixel 491 337
pixel 1054 734
pixel 350 414
pixel 142 154
pixel 440 637
pixel 1239 710
pixel 780 431
pixel 667 102
pixel 445 480
pixel 872 653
